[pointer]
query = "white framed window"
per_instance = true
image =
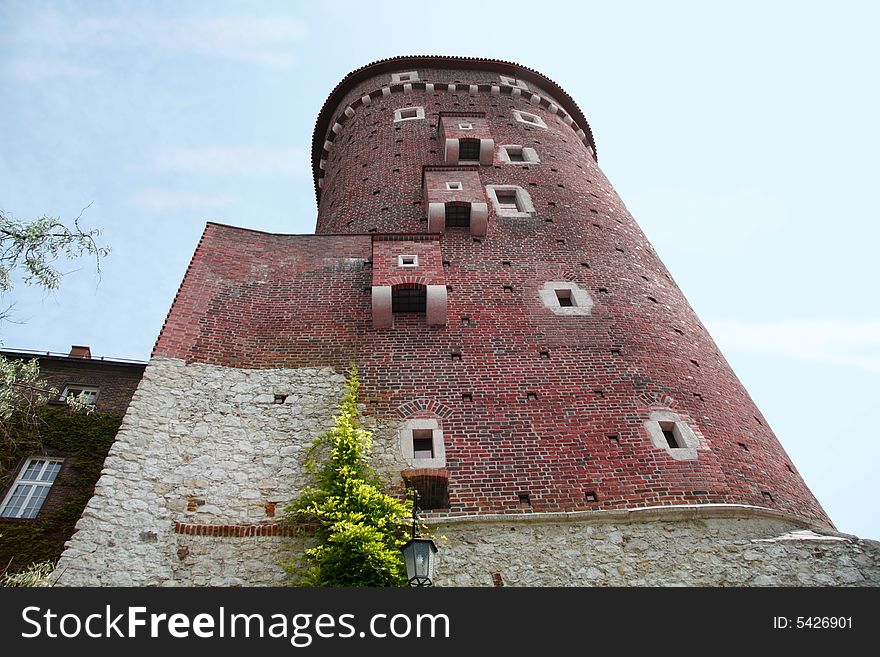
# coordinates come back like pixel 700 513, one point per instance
pixel 90 393
pixel 409 114
pixel 454 186
pixel 512 82
pixel 510 201
pixel 669 432
pixel 516 154
pixel 407 261
pixel 31 487
pixel 421 442
pixel 465 126
pixel 409 76
pixel 566 298
pixel 529 119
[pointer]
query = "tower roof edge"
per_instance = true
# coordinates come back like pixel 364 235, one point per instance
pixel 325 116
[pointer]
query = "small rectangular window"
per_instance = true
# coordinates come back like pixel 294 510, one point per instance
pixel 408 261
pixel 453 186
pixel 668 429
pixel 465 126
pixel 506 199
pixel 409 113
pixel 31 488
pixel 423 443
pixel 565 299
pixel 515 154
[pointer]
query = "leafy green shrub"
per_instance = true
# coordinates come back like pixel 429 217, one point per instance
pixel 358 528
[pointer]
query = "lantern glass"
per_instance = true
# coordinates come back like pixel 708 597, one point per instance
pixel 418 555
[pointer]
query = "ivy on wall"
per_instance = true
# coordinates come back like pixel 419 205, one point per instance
pixel 84 441
pixel 357 527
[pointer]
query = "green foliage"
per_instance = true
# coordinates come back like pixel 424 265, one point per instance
pixel 359 528
pixel 85 440
pixel 32 248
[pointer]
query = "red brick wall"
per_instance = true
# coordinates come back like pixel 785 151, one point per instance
pixel 258 300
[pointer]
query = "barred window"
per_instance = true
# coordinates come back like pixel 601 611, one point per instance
pixel 468 149
pixel 409 299
pixel 458 215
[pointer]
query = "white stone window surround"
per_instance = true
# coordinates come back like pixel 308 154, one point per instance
pixel 454 186
pixel 465 126
pixel 74 390
pixel 408 261
pixel 513 82
pixel 405 436
pixel 409 114
pixel 524 206
pixel 529 119
pixel 31 487
pixel 582 302
pixel 408 76
pixel 687 440
pixel 529 155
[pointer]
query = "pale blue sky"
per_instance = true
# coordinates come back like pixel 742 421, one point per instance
pixel 743 137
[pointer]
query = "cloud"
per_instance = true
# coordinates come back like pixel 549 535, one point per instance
pixel 846 342
pixel 37 70
pixel 683 220
pixel 162 200
pixel 265 41
pixel 253 162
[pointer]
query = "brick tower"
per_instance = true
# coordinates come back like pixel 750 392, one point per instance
pixel 528 365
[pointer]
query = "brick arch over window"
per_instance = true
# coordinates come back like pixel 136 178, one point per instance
pixel 422 405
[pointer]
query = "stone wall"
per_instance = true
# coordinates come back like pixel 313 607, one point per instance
pixel 692 547
pixel 201 445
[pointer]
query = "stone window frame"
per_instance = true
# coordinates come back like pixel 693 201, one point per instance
pixel 530 155
pixel 454 186
pixel 401 261
pixel 580 297
pixel 90 391
pixel 420 114
pixel 405 76
pixel 465 126
pixel 524 205
pixel 513 82
pixel 689 444
pixel 31 485
pixel 405 441
pixel 537 121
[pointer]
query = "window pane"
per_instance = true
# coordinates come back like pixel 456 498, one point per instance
pixel 32 471
pixel 50 471
pixel 36 501
pixel 16 500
